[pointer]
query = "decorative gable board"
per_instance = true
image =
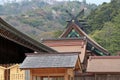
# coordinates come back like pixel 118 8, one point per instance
pixel 72 31
pixel 73 34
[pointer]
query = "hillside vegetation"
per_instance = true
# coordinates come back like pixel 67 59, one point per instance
pixel 44 19
pixel 105 25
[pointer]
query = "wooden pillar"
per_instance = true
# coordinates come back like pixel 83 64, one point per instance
pixel 31 77
pixel 66 77
pixel 95 76
pixel 7 74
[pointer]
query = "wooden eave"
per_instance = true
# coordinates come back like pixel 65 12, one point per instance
pixel 10 33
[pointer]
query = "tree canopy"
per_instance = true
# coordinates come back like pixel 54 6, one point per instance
pixel 105 25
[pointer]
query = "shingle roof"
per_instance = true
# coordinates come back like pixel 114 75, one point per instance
pixel 104 64
pixel 50 61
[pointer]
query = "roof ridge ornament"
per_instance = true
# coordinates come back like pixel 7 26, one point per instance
pixel 74 19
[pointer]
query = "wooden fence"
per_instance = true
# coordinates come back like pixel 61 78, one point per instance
pixel 11 72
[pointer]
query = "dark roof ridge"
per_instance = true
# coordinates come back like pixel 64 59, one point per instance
pixel 81 38
pixel 51 54
pixel 104 57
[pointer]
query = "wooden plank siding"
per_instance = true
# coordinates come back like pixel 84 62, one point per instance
pixel 68 74
pixel 48 71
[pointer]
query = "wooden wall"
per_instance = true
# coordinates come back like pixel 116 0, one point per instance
pixel 67 74
pixel 48 72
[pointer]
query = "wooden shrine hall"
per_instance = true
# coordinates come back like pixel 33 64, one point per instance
pixel 72 56
pixel 57 66
pixel 96 62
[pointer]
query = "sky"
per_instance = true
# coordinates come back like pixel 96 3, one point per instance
pixel 88 1
pixel 97 1
pixel 91 1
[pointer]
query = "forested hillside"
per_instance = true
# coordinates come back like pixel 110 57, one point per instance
pixel 105 25
pixel 47 18
pixel 42 18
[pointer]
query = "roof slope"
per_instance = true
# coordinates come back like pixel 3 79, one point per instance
pixel 7 31
pixel 104 64
pixel 90 41
pixel 50 61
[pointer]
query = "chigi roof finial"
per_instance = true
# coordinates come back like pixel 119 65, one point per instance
pixel 80 22
pixel 74 18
